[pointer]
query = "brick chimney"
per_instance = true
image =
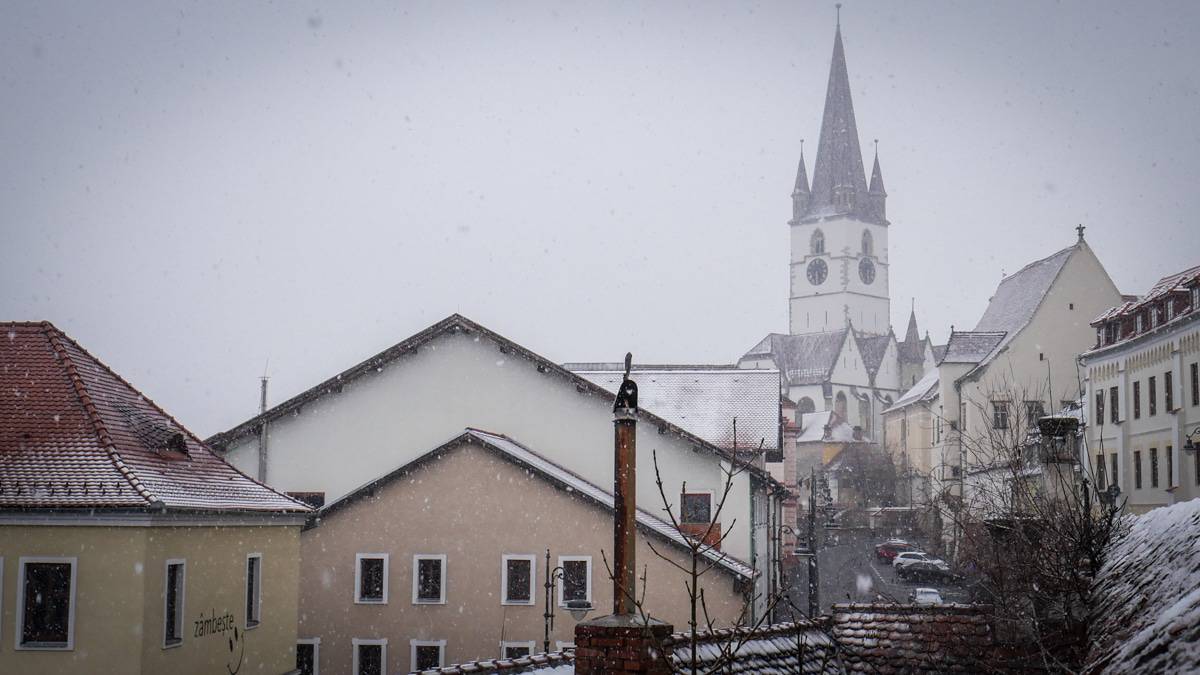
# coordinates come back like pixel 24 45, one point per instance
pixel 624 641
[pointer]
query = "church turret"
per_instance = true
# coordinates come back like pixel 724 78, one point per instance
pixel 912 336
pixel 800 194
pixel 876 194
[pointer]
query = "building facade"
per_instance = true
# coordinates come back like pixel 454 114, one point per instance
pixel 1143 393
pixel 126 545
pixel 452 567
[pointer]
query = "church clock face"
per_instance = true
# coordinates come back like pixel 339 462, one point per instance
pixel 866 270
pixel 817 272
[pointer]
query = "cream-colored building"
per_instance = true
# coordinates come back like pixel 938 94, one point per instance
pixel 993 382
pixel 1143 393
pixel 443 560
pixel 126 545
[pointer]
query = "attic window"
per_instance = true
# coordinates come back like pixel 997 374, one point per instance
pixel 153 431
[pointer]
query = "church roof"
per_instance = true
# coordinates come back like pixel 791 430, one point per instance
pixel 912 349
pixel 971 346
pixel 839 165
pixel 873 349
pixel 801 177
pixel 803 359
pixel 926 389
pixel 1020 294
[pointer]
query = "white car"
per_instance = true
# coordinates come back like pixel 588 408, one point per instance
pixel 925 596
pixel 909 557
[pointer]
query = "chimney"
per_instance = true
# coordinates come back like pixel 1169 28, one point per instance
pixel 623 641
pixel 262 431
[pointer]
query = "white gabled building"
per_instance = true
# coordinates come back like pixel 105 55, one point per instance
pixel 423 391
pixel 1143 391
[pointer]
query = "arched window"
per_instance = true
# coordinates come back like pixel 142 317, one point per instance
pixel 839 405
pixel 868 243
pixel 818 242
pixel 806 405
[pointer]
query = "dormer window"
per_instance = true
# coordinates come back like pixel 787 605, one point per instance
pixel 1195 297
pixel 1170 308
pixel 1112 332
pixel 1137 325
pixel 1154 317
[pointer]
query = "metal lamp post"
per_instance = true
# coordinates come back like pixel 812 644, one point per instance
pixel 577 608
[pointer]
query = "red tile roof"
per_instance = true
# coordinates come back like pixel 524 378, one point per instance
pixel 74 434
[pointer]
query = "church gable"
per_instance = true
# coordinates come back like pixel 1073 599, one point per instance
pixel 849 367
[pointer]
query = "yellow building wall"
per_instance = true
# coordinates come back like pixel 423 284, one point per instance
pixel 119 598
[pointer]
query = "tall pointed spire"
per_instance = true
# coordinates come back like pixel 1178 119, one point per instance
pixel 876 194
pixel 912 335
pixel 839 183
pixel 800 194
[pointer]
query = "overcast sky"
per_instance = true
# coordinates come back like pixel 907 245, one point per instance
pixel 194 191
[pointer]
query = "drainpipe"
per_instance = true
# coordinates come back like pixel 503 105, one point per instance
pixel 262 431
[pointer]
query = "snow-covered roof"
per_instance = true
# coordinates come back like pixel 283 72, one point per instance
pixel 803 359
pixel 558 475
pixel 924 390
pixel 554 663
pixel 894 638
pixel 813 429
pixel 1019 294
pixel 74 434
pixel 703 399
pixel 971 346
pixel 1145 600
pixel 780 648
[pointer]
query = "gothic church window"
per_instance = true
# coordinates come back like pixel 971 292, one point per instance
pixel 868 244
pixel 818 242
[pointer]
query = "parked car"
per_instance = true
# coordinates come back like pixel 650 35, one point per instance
pixel 925 596
pixel 907 558
pixel 887 551
pixel 926 571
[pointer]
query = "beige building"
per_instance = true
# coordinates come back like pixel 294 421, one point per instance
pixel 443 561
pixel 126 545
pixel 1143 392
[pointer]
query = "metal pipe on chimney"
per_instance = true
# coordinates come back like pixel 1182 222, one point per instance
pixel 262 432
pixel 625 495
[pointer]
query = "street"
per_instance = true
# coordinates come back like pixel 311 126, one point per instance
pixel 850 572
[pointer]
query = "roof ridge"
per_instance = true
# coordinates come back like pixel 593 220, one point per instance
pixel 55 336
pixel 1040 261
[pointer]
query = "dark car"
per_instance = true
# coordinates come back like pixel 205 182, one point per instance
pixel 886 552
pixel 925 571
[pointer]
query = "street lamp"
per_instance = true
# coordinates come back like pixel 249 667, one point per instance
pixel 1189 445
pixel 576 608
pixel 1110 496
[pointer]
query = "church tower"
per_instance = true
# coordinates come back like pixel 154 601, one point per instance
pixel 839 270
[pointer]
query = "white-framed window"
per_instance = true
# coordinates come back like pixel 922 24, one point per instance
pixel 429 579
pixel 427 654
pixel 371 578
pixel 174 583
pixel 253 589
pixel 576 581
pixel 308 656
pixel 46 603
pixel 515 649
pixel 517 573
pixel 695 507
pixel 560 645
pixel 369 657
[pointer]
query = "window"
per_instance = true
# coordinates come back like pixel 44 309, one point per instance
pixel 999 414
pixel 560 645
pixel 371 578
pixel 253 589
pixel 429 579
pixel 1196 384
pixel 1170 466
pixel 1137 400
pixel 1195 298
pixel 370 656
pixel 1137 469
pixel 515 650
pixel 1114 476
pixel 1100 408
pixel 577 579
pixel 696 508
pixel 427 654
pixel 868 244
pixel 1153 393
pixel 1170 309
pixel 1114 402
pixel 1034 410
pixel 1153 467
pixel 173 604
pixel 1154 317
pixel 517 573
pixel 1137 327
pixel 1168 391
pixel 46 603
pixel 308 656
pixel 818 242
pixel 1101 483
